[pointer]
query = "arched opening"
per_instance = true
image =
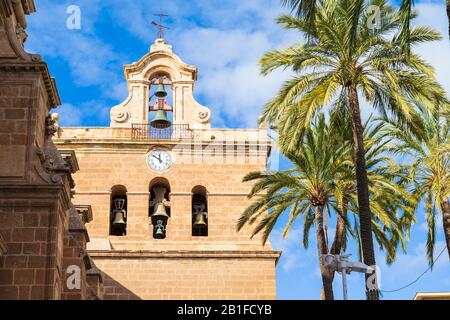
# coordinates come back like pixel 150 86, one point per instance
pixel 159 206
pixel 118 211
pixel 160 109
pixel 199 212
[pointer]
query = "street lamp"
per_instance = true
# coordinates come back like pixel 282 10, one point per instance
pixel 341 264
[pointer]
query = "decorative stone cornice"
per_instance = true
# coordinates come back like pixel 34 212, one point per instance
pixel 49 81
pixel 32 192
pixel 69 156
pixel 85 213
pixel 160 50
pixel 21 9
pixel 193 254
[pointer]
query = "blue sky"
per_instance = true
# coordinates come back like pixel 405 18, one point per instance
pixel 225 39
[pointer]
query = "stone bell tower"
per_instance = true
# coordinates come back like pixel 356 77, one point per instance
pixel 166 199
pixel 161 62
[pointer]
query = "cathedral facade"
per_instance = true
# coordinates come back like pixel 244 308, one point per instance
pixel 146 208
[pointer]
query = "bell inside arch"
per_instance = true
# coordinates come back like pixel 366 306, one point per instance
pixel 119 218
pixel 119 212
pixel 161 91
pixel 161 120
pixel 200 220
pixel 160 230
pixel 160 213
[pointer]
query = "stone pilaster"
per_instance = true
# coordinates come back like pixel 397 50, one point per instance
pixel 35 181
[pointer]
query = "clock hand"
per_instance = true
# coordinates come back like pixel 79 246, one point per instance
pixel 154 156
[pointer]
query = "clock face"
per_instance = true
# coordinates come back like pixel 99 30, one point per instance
pixel 159 160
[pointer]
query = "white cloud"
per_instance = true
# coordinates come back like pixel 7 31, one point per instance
pixel 437 53
pixel 91 61
pixel 291 248
pixel 69 115
pixel 408 267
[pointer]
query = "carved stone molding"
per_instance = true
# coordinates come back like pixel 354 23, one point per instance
pixel 85 213
pixel 54 169
pixel 21 33
pixel 13 19
pixel 203 115
pixel 119 116
pixel 69 156
pixel 50 128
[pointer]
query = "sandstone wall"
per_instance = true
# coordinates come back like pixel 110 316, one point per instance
pixel 188 278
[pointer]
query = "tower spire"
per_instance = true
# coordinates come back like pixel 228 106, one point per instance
pixel 160 25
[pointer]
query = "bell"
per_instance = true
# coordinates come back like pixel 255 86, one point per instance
pixel 161 91
pixel 119 218
pixel 159 233
pixel 199 221
pixel 160 213
pixel 161 121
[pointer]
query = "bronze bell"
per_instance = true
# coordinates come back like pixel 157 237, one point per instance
pixel 161 120
pixel 160 213
pixel 159 233
pixel 200 220
pixel 159 219
pixel 161 91
pixel 119 218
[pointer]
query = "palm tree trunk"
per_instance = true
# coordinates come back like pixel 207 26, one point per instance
pixel 336 247
pixel 445 207
pixel 327 274
pixel 448 15
pixel 338 241
pixel 362 183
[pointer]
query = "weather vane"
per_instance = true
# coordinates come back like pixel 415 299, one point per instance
pixel 160 25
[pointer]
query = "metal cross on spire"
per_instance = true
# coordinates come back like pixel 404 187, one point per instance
pixel 160 25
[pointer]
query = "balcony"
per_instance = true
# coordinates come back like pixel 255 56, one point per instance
pixel 144 131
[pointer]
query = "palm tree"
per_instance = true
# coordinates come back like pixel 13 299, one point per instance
pixel 307 10
pixel 345 59
pixel 322 183
pixel 430 170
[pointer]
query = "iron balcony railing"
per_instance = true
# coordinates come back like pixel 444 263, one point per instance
pixel 144 131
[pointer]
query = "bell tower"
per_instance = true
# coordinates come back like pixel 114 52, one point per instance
pixel 160 63
pixel 166 192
